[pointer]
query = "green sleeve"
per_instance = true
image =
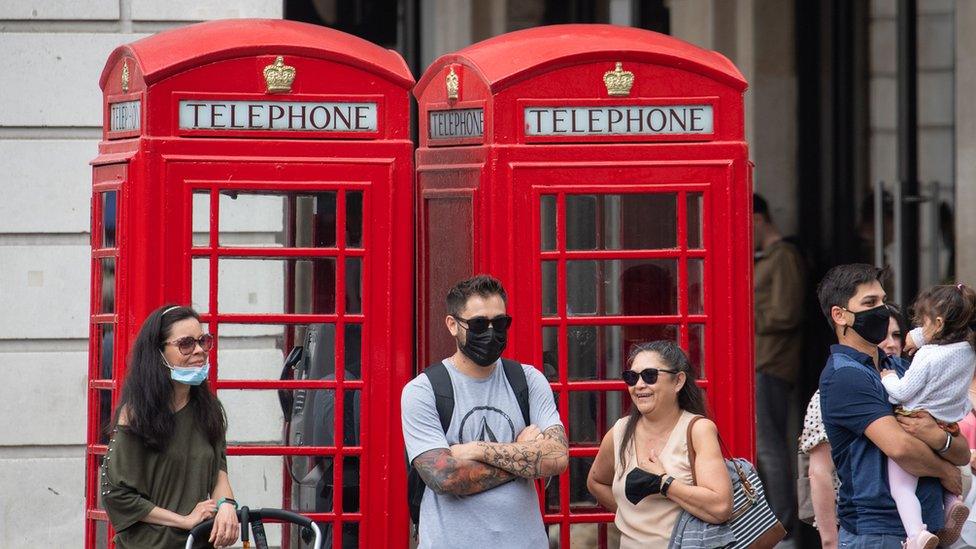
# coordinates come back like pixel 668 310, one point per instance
pixel 222 454
pixel 124 482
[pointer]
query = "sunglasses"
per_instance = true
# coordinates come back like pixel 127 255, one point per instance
pixel 649 375
pixel 479 324
pixel 188 344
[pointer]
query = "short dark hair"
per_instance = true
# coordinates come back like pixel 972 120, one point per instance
pixel 760 206
pixel 481 285
pixel 840 284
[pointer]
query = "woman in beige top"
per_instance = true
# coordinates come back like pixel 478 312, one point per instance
pixel 645 455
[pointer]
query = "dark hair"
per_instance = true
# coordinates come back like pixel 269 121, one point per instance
pixel 690 397
pixel 956 304
pixel 147 394
pixel 840 284
pixel 900 320
pixel 481 285
pixel 760 206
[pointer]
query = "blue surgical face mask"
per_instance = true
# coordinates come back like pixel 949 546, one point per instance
pixel 194 375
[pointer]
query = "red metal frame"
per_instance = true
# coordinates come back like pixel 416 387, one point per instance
pixel 156 172
pixel 509 174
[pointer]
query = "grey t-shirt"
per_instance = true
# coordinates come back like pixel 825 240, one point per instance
pixel 484 409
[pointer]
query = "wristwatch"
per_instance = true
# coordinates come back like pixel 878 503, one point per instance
pixel 666 485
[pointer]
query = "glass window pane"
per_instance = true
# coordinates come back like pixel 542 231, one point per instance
pixel 200 284
pixel 621 221
pixel 259 285
pixel 109 218
pixel 274 220
pixel 694 213
pixel 259 351
pixel 256 417
pixel 593 413
pixel 592 534
pixel 628 287
pixel 599 352
pixel 552 531
pixel 579 496
pixel 552 495
pixel 201 218
pixel 549 288
pixel 550 352
pixel 354 219
pixel 108 285
pixel 354 285
pixel 696 348
pixel 696 286
pixel 547 216
pixel 101 531
pixel 353 351
pixel 106 346
pixel 104 397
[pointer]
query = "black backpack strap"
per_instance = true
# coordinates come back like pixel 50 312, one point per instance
pixel 440 381
pixel 520 385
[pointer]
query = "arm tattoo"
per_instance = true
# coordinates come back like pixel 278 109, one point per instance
pixel 445 474
pixel 536 459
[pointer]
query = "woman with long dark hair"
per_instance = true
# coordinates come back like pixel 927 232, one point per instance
pixel 643 470
pixel 166 466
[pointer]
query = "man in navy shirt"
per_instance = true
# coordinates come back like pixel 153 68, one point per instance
pixel 861 426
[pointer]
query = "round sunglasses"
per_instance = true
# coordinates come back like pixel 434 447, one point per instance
pixel 187 345
pixel 649 375
pixel 479 324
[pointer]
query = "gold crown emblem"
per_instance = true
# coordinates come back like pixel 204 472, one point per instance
pixel 279 76
pixel 453 85
pixel 618 81
pixel 125 76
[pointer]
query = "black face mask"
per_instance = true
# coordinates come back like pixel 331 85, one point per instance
pixel 484 348
pixel 872 324
pixel 641 484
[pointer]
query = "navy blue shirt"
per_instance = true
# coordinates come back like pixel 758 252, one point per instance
pixel 851 398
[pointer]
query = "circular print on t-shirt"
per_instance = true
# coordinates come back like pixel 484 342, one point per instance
pixel 486 424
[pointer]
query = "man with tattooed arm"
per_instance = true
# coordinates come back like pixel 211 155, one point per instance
pixel 479 473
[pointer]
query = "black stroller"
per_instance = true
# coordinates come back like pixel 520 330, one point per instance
pixel 251 522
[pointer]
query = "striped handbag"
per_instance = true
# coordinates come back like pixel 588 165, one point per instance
pixel 752 521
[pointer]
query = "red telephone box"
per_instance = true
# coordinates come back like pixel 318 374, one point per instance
pixel 602 174
pixel 261 170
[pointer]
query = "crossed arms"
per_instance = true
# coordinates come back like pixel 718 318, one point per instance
pixel 474 467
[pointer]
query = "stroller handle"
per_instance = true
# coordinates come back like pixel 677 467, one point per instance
pixel 254 515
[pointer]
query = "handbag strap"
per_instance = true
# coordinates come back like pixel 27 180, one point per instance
pixel 746 485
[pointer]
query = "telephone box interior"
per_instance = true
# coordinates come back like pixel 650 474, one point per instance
pixel 602 174
pixel 261 171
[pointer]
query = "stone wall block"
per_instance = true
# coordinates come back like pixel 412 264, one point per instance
pixel 50 190
pixel 45 292
pixel 58 85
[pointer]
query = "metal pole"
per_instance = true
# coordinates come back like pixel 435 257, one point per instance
pixel 879 243
pixel 906 224
pixel 935 267
pixel 899 241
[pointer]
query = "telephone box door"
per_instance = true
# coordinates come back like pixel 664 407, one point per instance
pixel 287 265
pixel 626 259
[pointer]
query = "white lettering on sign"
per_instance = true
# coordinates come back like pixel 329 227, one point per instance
pixel 278 115
pixel 619 120
pixel 125 116
pixel 456 124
